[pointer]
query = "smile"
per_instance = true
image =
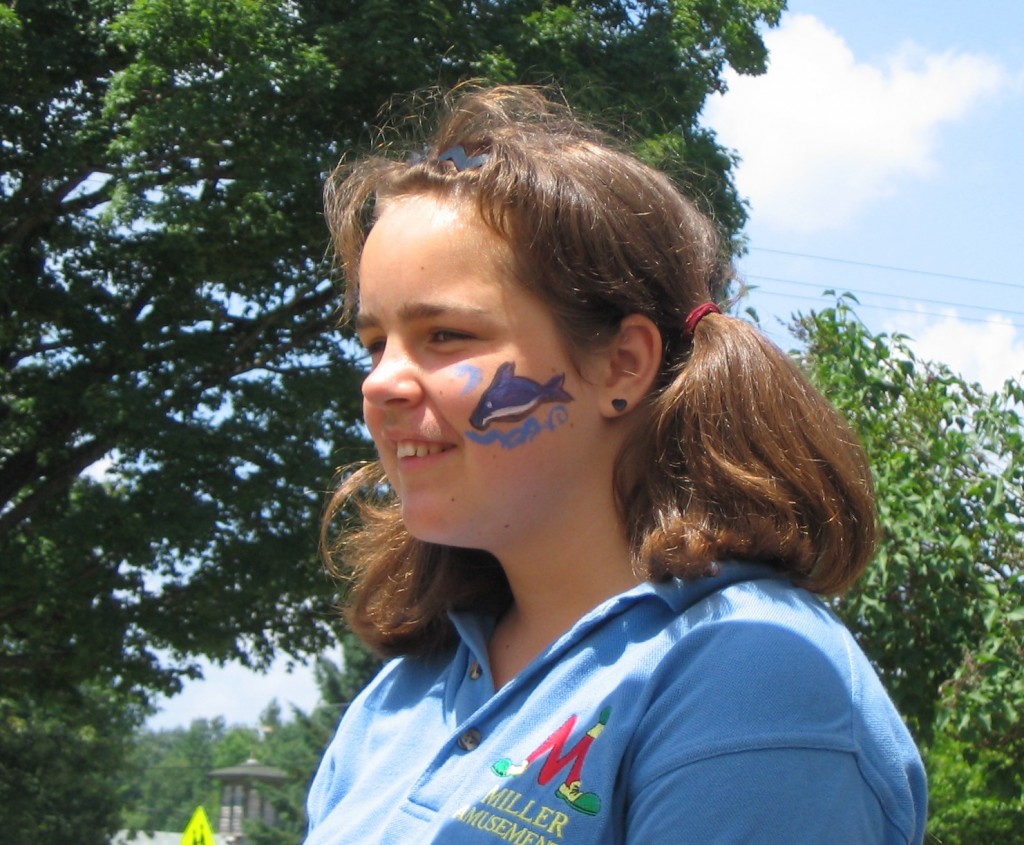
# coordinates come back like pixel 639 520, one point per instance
pixel 410 449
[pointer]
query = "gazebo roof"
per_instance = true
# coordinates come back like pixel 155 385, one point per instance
pixel 251 769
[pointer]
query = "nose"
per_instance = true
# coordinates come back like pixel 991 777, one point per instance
pixel 394 379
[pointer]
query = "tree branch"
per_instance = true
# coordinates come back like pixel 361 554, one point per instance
pixel 54 484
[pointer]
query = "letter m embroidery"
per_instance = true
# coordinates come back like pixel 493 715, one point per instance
pixel 558 758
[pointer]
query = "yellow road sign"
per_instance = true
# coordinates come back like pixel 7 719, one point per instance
pixel 198 831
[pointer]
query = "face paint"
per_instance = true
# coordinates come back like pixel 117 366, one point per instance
pixel 474 377
pixel 511 398
pixel 522 434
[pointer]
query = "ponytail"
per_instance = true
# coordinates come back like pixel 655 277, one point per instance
pixel 745 459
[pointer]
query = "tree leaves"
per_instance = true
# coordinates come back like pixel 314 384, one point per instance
pixel 167 776
pixel 168 312
pixel 174 392
pixel 940 610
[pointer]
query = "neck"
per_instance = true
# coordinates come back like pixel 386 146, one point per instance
pixel 553 586
pixel 563 557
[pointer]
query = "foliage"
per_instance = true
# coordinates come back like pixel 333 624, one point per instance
pixel 168 777
pixel 164 311
pixel 974 793
pixel 173 389
pixel 940 610
pixel 167 311
pixel 167 772
pixel 45 747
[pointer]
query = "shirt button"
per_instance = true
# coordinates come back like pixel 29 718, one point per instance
pixel 470 740
pixel 475 671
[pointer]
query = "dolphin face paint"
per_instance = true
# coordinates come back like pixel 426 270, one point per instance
pixel 511 398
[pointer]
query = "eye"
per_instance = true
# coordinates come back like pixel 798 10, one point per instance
pixel 448 336
pixel 374 347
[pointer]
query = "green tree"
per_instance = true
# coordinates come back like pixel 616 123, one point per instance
pixel 941 609
pixel 168 772
pixel 167 310
pixel 167 316
pixel 48 755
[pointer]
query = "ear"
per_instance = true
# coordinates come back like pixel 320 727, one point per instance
pixel 630 364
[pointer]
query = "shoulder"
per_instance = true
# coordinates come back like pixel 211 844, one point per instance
pixel 401 685
pixel 764 684
pixel 760 661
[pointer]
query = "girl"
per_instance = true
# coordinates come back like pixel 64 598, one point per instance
pixel 599 520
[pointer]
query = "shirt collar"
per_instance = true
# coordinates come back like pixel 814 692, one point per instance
pixel 679 595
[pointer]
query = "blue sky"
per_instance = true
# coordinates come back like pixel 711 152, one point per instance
pixel 890 134
pixel 882 153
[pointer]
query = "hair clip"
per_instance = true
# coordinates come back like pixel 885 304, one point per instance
pixel 457 156
pixel 418 156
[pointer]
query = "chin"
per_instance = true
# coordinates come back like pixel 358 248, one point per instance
pixel 428 525
pixel 437 528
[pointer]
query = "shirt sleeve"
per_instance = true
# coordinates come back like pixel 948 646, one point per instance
pixel 771 730
pixel 769 797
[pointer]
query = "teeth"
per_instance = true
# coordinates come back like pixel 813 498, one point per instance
pixel 420 450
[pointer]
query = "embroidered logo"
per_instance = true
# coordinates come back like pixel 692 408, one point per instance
pixel 557 759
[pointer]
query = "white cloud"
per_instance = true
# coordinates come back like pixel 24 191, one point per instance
pixel 821 134
pixel 238 695
pixel 989 353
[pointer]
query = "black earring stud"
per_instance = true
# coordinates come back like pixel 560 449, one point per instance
pixel 619 405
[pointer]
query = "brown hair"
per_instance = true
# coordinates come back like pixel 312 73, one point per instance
pixel 735 456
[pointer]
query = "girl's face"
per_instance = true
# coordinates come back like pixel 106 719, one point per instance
pixel 487 432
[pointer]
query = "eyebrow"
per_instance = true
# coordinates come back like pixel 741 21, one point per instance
pixel 411 311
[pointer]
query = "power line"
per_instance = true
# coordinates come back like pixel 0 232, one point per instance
pixel 951 276
pixel 939 302
pixel 920 313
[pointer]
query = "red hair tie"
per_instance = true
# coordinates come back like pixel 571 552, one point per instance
pixel 698 314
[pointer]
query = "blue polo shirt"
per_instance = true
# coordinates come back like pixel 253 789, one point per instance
pixel 732 709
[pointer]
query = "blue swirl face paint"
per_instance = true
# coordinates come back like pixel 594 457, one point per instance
pixel 511 398
pixel 558 416
pixel 474 377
